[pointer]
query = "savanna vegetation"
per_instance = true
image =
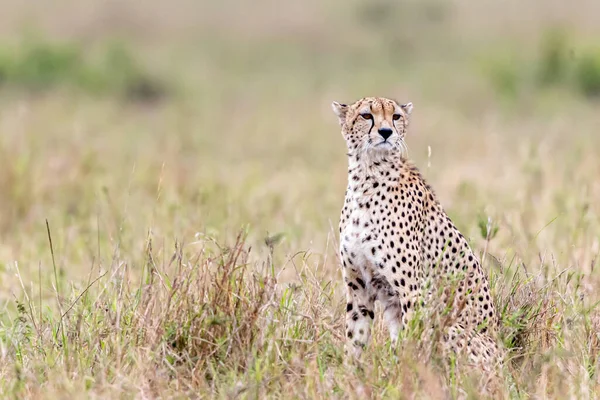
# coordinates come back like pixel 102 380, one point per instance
pixel 171 176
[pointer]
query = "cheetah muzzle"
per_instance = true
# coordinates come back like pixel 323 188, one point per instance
pixel 397 245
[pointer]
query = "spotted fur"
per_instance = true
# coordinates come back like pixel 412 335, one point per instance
pixel 397 245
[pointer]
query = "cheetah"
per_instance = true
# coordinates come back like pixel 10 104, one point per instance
pixel 398 246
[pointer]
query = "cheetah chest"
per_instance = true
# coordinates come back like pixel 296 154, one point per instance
pixel 380 241
pixel 359 237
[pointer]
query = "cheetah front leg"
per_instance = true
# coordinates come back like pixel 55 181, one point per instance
pixel 359 311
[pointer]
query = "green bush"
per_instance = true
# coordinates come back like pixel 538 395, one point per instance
pixel 587 74
pixel 39 65
pixel 117 71
pixel 504 74
pixel 505 78
pixel 554 58
pixel 558 65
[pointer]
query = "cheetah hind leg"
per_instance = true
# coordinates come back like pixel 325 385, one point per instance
pixel 482 356
pixel 479 349
pixel 392 315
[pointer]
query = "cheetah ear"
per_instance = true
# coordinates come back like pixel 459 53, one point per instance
pixel 340 110
pixel 407 108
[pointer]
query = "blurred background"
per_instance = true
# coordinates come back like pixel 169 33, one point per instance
pixel 192 119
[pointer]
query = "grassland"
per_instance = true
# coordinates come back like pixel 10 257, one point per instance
pixel 185 246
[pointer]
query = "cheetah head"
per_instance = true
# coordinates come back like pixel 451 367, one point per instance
pixel 374 126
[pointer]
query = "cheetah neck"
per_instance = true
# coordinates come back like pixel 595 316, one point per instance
pixel 381 168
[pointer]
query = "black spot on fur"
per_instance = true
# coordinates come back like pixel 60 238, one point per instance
pixel 360 282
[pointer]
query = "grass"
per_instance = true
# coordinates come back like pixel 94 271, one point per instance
pixel 187 248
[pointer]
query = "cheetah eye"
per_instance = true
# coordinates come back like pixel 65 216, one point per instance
pixel 366 116
pixel 396 117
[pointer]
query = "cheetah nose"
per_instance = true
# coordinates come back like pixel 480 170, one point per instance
pixel 385 133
